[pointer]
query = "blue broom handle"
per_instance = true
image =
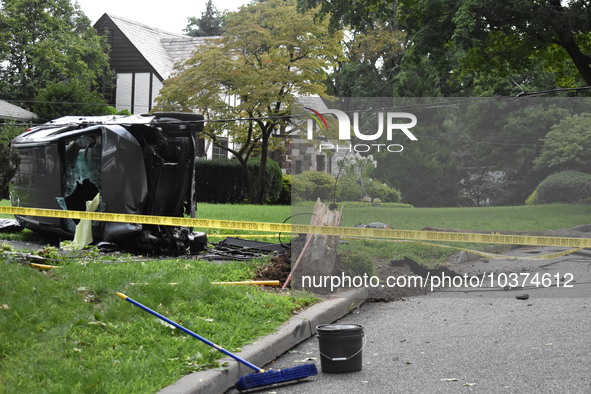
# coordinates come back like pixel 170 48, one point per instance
pixel 191 333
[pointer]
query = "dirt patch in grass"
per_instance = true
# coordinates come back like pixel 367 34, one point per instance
pixel 278 268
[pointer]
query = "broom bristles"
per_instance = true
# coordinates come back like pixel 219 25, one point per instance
pixel 259 379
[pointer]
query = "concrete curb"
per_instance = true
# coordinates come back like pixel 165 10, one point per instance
pixel 266 349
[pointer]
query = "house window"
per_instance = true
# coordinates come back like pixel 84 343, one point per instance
pixel 217 151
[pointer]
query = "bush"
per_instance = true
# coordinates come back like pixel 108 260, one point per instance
pixel 300 188
pixel 285 195
pixel 274 179
pixel 222 181
pixel 348 189
pixel 311 185
pixel 533 198
pixel 565 187
pixel 383 192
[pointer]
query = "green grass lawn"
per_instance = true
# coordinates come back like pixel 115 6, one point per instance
pixel 494 219
pixel 518 218
pixel 65 330
pixel 243 212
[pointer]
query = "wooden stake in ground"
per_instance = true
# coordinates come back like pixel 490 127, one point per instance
pixel 317 258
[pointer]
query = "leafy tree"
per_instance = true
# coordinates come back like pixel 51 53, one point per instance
pixel 373 56
pixel 268 54
pixel 480 187
pixel 356 175
pixel 356 183
pixel 566 145
pixel 210 23
pixel 510 35
pixel 61 99
pixel 425 173
pixel 355 14
pixel 511 45
pixel 503 137
pixel 47 41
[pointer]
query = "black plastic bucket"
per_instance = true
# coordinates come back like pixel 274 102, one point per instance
pixel 341 347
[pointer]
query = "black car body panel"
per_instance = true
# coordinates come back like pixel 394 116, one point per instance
pixel 142 165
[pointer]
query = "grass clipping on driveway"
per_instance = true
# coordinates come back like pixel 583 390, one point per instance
pixel 65 330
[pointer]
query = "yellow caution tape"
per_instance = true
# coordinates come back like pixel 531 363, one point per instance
pixel 249 282
pixel 413 235
pixel 488 254
pixel 245 235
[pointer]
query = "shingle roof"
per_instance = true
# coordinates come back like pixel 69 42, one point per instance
pixel 161 49
pixel 181 49
pixel 12 112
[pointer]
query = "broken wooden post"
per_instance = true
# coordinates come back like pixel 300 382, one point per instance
pixel 317 258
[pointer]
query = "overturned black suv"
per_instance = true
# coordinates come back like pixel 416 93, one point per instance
pixel 141 165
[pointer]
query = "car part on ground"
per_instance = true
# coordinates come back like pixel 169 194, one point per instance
pixel 10 226
pixel 240 249
pixel 141 165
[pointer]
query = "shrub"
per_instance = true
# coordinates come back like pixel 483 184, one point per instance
pixel 348 190
pixel 565 187
pixel 273 180
pixel 222 181
pixel 533 198
pixel 311 185
pixel 285 194
pixel 300 188
pixel 219 181
pixel 383 192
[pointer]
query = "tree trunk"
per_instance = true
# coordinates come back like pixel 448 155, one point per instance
pixel 317 258
pixel 581 60
pixel 260 178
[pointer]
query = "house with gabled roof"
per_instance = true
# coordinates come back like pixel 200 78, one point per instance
pixel 142 57
pixel 10 111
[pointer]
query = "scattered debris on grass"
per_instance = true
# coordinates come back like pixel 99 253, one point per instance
pixel 240 249
pixel 10 226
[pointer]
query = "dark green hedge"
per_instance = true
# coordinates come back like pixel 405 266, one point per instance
pixel 564 187
pixel 222 181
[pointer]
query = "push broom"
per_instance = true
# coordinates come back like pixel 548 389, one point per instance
pixel 250 381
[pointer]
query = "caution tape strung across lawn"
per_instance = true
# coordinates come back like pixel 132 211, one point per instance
pixel 486 254
pixel 392 234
